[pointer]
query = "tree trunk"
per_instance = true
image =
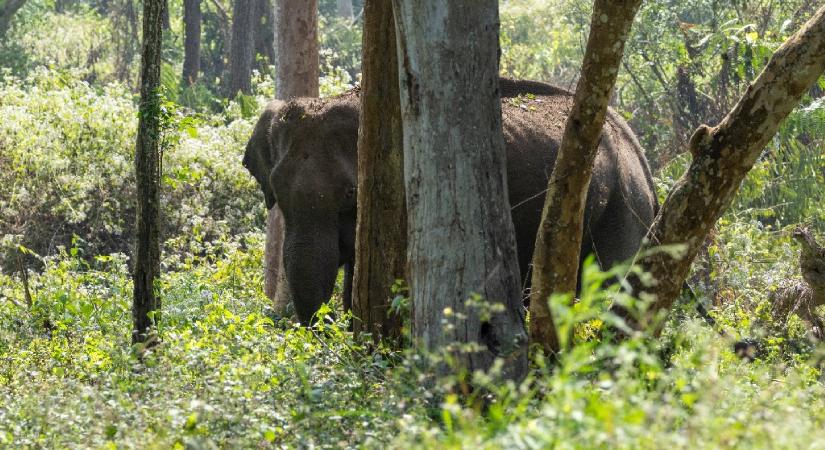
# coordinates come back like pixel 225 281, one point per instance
pixel 722 157
pixel 192 41
pixel 7 12
pixel 264 35
pixel 147 165
pixel 461 236
pixel 297 48
pixel 166 23
pixel 559 238
pixel 241 51
pixel 381 232
pixel 297 76
pixel 125 37
pixel 345 9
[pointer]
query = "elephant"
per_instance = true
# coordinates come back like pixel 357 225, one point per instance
pixel 303 155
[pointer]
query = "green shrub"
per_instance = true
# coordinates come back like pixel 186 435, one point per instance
pixel 66 149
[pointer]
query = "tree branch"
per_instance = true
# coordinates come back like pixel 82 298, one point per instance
pixel 723 155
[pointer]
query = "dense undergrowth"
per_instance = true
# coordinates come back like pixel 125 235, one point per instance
pixel 226 374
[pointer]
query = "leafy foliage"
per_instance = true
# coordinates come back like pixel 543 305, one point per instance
pixel 226 374
pixel 66 149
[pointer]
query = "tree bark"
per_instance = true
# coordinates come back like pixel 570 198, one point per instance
pixel 381 230
pixel 166 23
pixel 7 12
pixel 461 237
pixel 192 41
pixel 264 35
pixel 345 9
pixel 147 167
pixel 296 76
pixel 241 51
pixel 722 157
pixel 559 238
pixel 297 48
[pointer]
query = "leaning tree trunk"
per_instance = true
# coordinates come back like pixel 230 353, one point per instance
pixel 241 52
pixel 461 237
pixel 381 234
pixel 722 157
pixel 7 12
pixel 192 41
pixel 264 35
pixel 559 237
pixel 147 166
pixel 297 76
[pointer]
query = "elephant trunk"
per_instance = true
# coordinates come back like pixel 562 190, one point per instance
pixel 311 266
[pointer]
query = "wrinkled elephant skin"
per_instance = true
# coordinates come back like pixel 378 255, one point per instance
pixel 303 155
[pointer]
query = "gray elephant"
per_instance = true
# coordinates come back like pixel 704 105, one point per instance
pixel 303 155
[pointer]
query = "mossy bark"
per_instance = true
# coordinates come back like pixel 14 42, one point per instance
pixel 147 168
pixel 559 238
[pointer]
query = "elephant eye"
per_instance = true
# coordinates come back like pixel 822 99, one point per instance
pixel 351 192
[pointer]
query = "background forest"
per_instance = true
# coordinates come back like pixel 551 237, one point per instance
pixel 228 374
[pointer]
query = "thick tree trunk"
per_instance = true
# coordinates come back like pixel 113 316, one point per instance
pixel 381 236
pixel 297 48
pixel 147 166
pixel 241 51
pixel 297 76
pixel 264 35
pixel 461 237
pixel 7 12
pixel 559 238
pixel 192 41
pixel 722 157
pixel 345 9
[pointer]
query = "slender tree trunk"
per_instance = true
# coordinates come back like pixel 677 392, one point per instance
pixel 297 76
pixel 381 234
pixel 722 157
pixel 147 165
pixel 166 23
pixel 559 238
pixel 192 41
pixel 345 9
pixel 461 236
pixel 242 50
pixel 7 12
pixel 264 35
pixel 125 36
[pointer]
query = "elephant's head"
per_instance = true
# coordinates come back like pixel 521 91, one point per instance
pixel 303 154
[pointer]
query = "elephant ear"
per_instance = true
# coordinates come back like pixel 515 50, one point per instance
pixel 260 156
